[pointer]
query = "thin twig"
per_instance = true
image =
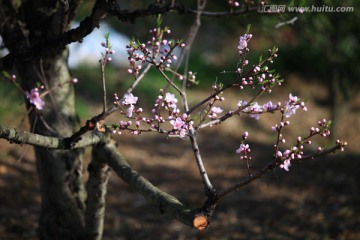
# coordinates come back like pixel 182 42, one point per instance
pixel 103 81
pixel 171 82
pixel 139 78
pixel 232 113
pixel 208 186
pixel 208 98
pixel 291 21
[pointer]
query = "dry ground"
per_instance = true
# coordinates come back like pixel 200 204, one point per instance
pixel 317 199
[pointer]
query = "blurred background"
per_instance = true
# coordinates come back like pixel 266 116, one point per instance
pixel 319 56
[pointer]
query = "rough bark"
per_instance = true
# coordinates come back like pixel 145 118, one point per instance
pixel 99 173
pixel 59 171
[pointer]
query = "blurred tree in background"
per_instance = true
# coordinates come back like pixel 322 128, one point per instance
pixel 325 47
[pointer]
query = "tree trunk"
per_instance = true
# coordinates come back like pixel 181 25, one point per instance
pixel 60 171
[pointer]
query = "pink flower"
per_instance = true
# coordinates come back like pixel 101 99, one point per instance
pixel 130 110
pixel 171 100
pixel 243 148
pixel 244 40
pixel 287 153
pixel 242 43
pixel 129 99
pixel 286 164
pixel 293 98
pixel 34 98
pixel 216 110
pixel 182 133
pixel 269 106
pixel 290 106
pixel 241 104
pixel 257 109
pixel 178 123
pixel 290 109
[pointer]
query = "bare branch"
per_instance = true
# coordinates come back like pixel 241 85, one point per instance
pixel 23 137
pixel 209 189
pixel 166 203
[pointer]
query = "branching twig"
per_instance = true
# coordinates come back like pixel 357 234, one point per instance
pixel 208 98
pixel 230 114
pixel 272 166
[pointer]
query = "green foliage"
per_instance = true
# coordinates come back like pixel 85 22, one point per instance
pixel 11 100
pixel 323 46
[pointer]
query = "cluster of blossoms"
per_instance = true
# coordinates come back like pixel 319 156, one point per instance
pixel 292 105
pixel 254 109
pixel 166 113
pixel 296 152
pixel 34 98
pixel 259 74
pixel 157 51
pixel 214 111
pixel 244 149
pixel 180 123
pixel 243 42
